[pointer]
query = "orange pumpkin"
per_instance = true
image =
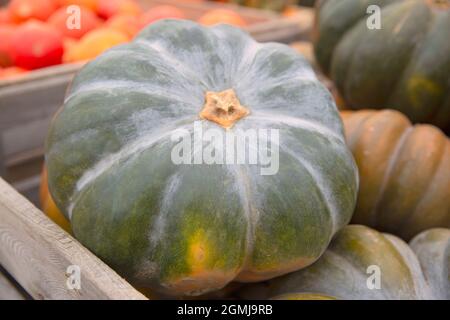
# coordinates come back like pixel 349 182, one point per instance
pixel 48 205
pixel 404 172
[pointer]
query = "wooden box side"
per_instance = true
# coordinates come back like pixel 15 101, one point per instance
pixel 38 253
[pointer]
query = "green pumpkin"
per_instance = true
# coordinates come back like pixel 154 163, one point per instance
pixel 405 65
pixel 186 229
pixel 345 269
pixel 432 247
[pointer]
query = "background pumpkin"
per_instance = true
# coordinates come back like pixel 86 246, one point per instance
pixel 342 271
pixel 432 247
pixel 405 65
pixel 404 172
pixel 189 229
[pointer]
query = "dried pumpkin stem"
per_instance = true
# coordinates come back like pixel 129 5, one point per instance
pixel 223 108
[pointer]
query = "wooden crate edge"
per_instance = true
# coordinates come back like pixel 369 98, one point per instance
pixel 37 253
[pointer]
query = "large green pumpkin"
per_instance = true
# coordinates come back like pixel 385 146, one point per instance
pixel 348 265
pixel 189 229
pixel 405 65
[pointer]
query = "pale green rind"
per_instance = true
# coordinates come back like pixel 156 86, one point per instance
pixel 190 229
pixel 433 250
pixel 342 271
pixel 403 65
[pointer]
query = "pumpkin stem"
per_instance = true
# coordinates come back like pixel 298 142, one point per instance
pixel 223 108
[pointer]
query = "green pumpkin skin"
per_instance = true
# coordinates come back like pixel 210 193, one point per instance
pixel 432 247
pixel 405 65
pixel 342 271
pixel 191 229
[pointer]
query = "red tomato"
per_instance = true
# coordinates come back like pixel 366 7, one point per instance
pixel 6 52
pixel 108 8
pixel 4 16
pixel 62 19
pixel 37 45
pixel 91 4
pixel 160 12
pixel 22 10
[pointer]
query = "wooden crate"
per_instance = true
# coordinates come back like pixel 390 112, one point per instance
pixel 34 251
pixel 27 103
pixel 37 253
pixel 26 108
pixel 10 289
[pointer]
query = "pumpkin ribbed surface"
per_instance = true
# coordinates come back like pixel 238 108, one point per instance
pixel 404 172
pixel 347 269
pixel 185 228
pixel 404 65
pixel 432 247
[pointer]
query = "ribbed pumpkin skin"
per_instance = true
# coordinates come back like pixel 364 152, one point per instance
pixel 190 229
pixel 405 65
pixel 404 172
pixel 432 247
pixel 341 271
pixel 48 205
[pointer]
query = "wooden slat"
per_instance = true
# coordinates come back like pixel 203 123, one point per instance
pixel 8 289
pixel 37 253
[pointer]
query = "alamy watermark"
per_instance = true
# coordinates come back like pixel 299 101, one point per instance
pixel 217 146
pixel 73 273
pixel 373 22
pixel 73 21
pixel 373 281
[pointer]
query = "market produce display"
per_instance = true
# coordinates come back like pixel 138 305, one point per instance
pixel 189 229
pixel 403 65
pixel 188 161
pixel 343 271
pixel 404 172
pixel 38 34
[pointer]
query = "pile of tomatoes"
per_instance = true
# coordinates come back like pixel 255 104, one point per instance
pixel 37 34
